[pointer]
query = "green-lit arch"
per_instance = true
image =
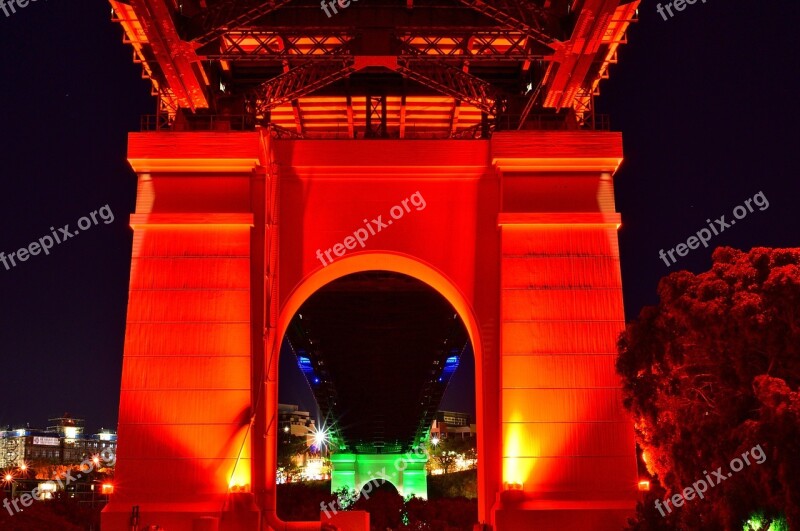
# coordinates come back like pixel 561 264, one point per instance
pixel 405 471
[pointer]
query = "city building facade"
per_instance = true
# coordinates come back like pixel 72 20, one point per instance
pixel 450 424
pixel 295 422
pixel 63 443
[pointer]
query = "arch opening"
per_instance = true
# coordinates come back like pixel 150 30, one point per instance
pixel 357 338
pixel 373 486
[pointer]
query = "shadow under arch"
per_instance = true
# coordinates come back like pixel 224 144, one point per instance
pixel 383 261
pixel 372 485
pixel 357 263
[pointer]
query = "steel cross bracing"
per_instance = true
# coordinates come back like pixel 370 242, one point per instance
pixel 451 80
pixel 223 16
pixel 521 15
pixel 429 71
pixel 299 81
pixel 376 117
pixel 485 58
pixel 475 44
pixel 228 15
pixel 278 44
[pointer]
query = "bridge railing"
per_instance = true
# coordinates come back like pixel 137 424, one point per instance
pixel 214 122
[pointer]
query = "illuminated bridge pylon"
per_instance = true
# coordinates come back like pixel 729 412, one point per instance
pixel 277 132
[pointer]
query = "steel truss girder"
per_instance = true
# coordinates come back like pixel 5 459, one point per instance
pixel 521 15
pixel 300 81
pixel 583 103
pixel 214 21
pixel 475 45
pixel 376 117
pixel 276 131
pixel 452 81
pixel 257 45
pixel 312 76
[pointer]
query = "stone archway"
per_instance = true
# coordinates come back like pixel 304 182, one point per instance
pixel 520 231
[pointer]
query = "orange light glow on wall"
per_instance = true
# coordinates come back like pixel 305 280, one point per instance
pixel 518 464
pixel 240 474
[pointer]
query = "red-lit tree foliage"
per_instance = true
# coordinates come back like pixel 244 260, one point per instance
pixel 710 373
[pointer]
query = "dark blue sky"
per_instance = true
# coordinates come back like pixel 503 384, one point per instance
pixel 706 102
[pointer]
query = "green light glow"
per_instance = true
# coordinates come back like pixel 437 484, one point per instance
pixel 758 521
pixel 405 471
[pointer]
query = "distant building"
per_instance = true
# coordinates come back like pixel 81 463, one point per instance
pixel 448 424
pixel 293 421
pixel 61 444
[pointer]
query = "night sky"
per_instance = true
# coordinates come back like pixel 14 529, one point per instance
pixel 707 103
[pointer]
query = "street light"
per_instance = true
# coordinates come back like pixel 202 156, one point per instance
pixel 435 442
pixel 8 479
pixel 320 437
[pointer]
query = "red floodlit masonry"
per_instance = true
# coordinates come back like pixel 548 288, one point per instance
pixel 518 234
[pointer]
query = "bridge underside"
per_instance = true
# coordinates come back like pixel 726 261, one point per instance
pixel 378 350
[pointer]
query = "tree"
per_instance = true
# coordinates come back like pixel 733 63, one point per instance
pixel 289 448
pixel 710 373
pixel 466 448
pixel 445 454
pixel 384 505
